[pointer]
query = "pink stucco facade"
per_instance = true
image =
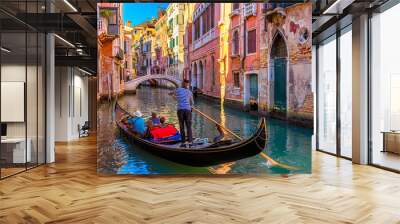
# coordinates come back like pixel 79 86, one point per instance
pixel 282 38
pixel 204 53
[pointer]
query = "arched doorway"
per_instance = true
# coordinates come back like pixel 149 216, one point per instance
pixel 194 76
pixel 278 71
pixel 200 75
pixel 251 91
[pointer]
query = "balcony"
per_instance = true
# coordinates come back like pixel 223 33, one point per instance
pixel 250 9
pixel 210 35
pixel 275 12
pixel 107 32
pixel 109 28
pixel 118 53
pixel 271 7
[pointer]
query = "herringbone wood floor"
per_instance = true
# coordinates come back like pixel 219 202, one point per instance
pixel 70 191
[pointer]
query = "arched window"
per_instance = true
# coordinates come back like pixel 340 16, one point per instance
pixel 212 15
pixel 235 6
pixel 279 48
pixel 235 43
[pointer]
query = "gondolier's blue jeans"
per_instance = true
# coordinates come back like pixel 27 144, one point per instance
pixel 185 121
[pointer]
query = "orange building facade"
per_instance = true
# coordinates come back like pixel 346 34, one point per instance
pixel 110 50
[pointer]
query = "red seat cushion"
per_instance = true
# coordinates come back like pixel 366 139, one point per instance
pixel 165 132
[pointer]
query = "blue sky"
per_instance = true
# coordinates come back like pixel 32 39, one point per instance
pixel 140 12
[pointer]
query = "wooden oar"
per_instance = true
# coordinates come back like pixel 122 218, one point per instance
pixel 269 159
pixel 214 121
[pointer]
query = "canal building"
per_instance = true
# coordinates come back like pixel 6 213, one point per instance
pixel 205 49
pixel 160 44
pixel 187 49
pixel 176 29
pixel 257 56
pixel 187 39
pixel 111 54
pixel 138 32
pixel 128 64
pixel 143 47
pixel 245 35
pixel 172 39
pixel 286 62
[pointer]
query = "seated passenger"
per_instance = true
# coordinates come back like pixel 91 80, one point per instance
pixel 162 122
pixel 150 126
pixel 154 118
pixel 137 123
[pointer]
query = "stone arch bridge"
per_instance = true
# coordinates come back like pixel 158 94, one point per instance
pixel 130 86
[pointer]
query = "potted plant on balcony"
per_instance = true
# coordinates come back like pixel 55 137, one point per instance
pixel 106 13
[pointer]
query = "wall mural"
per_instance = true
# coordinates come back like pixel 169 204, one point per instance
pixel 204 88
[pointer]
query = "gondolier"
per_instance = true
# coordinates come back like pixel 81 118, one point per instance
pixel 184 99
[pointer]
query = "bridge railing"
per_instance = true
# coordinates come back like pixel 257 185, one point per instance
pixel 174 75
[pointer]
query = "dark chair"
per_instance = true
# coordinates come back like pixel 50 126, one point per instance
pixel 84 130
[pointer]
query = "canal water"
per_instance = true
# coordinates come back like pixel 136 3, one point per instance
pixel 287 144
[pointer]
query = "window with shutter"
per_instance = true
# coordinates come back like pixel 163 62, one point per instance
pixel 204 23
pixel 180 19
pixel 235 43
pixel 208 19
pixel 236 79
pixel 251 41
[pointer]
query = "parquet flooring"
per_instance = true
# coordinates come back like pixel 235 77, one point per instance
pixel 70 191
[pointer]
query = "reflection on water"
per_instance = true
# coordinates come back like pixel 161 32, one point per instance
pixel 287 144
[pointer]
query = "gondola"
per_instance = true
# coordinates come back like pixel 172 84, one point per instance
pixel 201 155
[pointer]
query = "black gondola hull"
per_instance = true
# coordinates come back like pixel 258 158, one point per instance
pixel 207 156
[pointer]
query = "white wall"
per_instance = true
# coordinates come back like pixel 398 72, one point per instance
pixel 71 102
pixel 11 73
pixel 33 126
pixel 61 103
pixel 16 73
